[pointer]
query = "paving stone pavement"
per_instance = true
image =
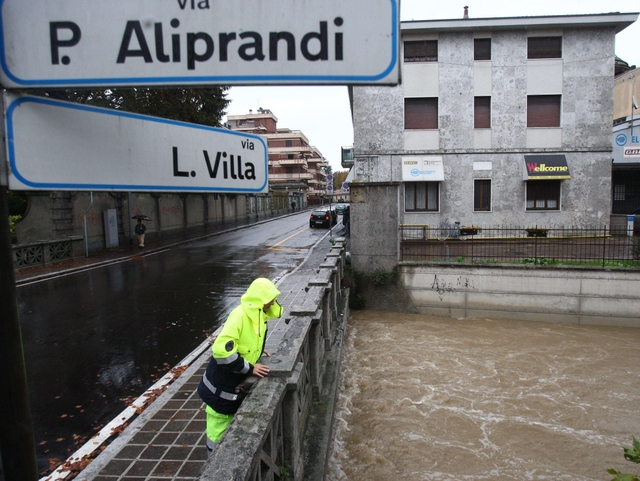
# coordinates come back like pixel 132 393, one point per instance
pixel 166 442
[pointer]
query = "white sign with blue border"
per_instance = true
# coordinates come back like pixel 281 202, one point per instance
pixel 54 145
pixel 67 43
pixel 422 169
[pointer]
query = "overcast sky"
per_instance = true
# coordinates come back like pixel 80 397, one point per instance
pixel 323 114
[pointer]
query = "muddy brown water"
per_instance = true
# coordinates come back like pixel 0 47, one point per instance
pixel 431 398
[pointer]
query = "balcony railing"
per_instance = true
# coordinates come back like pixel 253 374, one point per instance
pixel 536 245
pixel 295 177
pixel 291 161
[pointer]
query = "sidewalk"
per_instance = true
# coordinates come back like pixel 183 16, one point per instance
pixel 166 440
pixel 127 251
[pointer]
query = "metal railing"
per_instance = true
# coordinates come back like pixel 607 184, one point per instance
pixel 584 245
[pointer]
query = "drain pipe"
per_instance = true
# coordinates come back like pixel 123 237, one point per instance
pixel 86 239
pixel 130 218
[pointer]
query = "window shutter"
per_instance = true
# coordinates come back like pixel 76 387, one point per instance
pixel 482 195
pixel 544 47
pixel 421 51
pixel 482 113
pixel 420 113
pixel 482 49
pixel 543 111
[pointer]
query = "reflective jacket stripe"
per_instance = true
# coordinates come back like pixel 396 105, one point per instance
pixel 227 360
pixel 218 392
pixel 211 445
pixel 245 368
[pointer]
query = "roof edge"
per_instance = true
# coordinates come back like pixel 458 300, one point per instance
pixel 615 19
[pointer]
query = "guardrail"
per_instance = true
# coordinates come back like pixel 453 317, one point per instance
pixel 266 439
pixel 46 252
pixel 592 245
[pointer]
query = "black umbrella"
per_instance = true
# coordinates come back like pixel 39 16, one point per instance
pixel 141 217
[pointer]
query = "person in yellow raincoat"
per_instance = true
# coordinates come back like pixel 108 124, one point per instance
pixel 236 351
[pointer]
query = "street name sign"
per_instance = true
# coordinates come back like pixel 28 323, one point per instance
pixel 55 145
pixel 71 43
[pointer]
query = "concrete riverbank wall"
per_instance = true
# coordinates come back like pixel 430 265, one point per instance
pixel 283 428
pixel 574 295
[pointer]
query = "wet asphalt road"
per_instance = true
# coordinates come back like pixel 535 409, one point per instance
pixel 96 340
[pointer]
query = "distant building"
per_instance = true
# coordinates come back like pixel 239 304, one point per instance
pixel 295 167
pixel 626 143
pixel 498 121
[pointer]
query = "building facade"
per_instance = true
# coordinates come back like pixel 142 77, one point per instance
pixel 501 121
pixel 625 175
pixel 296 169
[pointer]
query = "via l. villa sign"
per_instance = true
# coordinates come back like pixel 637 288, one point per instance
pixel 55 145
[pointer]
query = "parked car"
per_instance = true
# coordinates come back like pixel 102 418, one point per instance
pixel 323 217
pixel 340 208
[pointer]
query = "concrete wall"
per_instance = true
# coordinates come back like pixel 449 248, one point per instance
pixel 580 296
pixel 37 223
pixel 43 219
pixel 374 234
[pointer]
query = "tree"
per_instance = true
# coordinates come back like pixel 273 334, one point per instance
pixel 339 178
pixel 204 106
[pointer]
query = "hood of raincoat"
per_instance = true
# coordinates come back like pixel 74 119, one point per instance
pixel 260 292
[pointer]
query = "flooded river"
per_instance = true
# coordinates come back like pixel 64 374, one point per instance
pixel 431 398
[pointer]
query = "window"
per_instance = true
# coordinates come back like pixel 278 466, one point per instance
pixel 288 143
pixel 421 51
pixel 544 47
pixel 482 49
pixel 543 110
pixel 482 195
pixel 421 196
pixel 288 170
pixel 289 156
pixel 482 112
pixel 543 195
pixel 619 192
pixel 421 113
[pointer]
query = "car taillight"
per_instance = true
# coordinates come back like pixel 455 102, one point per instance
pixel 326 217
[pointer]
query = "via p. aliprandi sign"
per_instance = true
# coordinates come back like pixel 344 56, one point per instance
pixel 67 43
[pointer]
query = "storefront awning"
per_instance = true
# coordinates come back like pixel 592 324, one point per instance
pixel 546 167
pixel 422 169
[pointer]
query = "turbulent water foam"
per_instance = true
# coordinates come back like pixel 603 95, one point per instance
pixel 428 398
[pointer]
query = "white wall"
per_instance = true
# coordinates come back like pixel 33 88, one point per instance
pixel 579 296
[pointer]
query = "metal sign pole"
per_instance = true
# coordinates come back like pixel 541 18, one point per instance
pixel 16 431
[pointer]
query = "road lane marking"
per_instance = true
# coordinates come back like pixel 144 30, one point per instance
pixel 285 240
pixel 80 270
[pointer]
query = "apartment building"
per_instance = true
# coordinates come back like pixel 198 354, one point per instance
pixel 296 168
pixel 625 175
pixel 498 121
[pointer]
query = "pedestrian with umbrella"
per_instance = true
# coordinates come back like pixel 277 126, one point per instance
pixel 140 229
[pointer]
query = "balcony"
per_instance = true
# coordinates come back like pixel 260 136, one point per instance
pixel 347 157
pixel 292 162
pixel 290 177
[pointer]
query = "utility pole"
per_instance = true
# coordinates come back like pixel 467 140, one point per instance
pixel 16 430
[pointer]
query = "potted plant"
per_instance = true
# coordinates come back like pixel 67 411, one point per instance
pixel 536 232
pixel 470 230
